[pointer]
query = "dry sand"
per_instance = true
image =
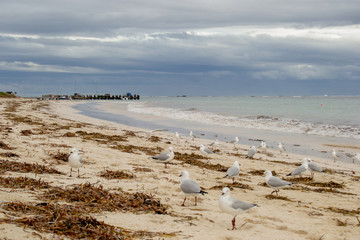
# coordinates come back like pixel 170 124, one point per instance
pixel 309 212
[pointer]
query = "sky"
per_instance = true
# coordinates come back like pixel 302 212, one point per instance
pixel 170 48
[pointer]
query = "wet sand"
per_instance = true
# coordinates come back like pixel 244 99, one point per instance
pixel 35 132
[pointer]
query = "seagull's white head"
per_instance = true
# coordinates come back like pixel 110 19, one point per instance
pixel 268 173
pixel 225 191
pixel 171 149
pixel 74 151
pixel 184 174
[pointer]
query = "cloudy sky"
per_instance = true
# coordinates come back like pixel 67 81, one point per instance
pixel 158 47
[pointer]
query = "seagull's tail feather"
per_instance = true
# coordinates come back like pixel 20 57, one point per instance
pixel 203 192
pixel 226 176
pixel 247 156
pixel 289 174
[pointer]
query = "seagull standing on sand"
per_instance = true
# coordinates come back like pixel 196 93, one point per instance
pixel 214 144
pixel 357 157
pixel 189 187
pixel 235 141
pixel 233 206
pixel 75 161
pixel 192 136
pixel 165 157
pixel 178 139
pixel 313 167
pixel 251 152
pixel 204 150
pixel 233 171
pixel 334 154
pixel 263 145
pixel 275 182
pixel 301 169
pixel 281 148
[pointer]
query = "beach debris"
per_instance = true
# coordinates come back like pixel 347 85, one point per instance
pixel 26 132
pixel 69 221
pixel 96 199
pixel 75 161
pixel 142 169
pixel 233 171
pixel 13 166
pixel 232 186
pixel 233 206
pixel 108 174
pixel 4 146
pixel 9 154
pixel 275 182
pixel 192 159
pixel 61 157
pixel 189 187
pixel 69 134
pixel 102 138
pixel 23 182
pixel 271 197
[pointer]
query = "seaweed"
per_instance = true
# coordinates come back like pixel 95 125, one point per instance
pixel 96 199
pixel 108 174
pixel 141 169
pixel 271 197
pixel 26 132
pixel 232 186
pixel 135 149
pixel 102 137
pixel 344 211
pixel 192 159
pixel 23 182
pixel 6 165
pixel 4 146
pixel 68 221
pixel 61 157
pixel 9 154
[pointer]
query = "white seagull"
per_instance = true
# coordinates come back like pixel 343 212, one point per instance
pixel 192 136
pixel 281 148
pixel 233 171
pixel 165 157
pixel 275 182
pixel 233 206
pixel 301 169
pixel 263 145
pixel 251 152
pixel 214 144
pixel 204 150
pixel 189 187
pixel 334 155
pixel 235 141
pixel 313 167
pixel 178 138
pixel 75 161
pixel 357 157
pixel 150 132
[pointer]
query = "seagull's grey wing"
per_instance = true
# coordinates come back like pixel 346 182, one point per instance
pixel 240 205
pixel 189 186
pixel 162 156
pixel 277 182
pixel 208 151
pixel 314 167
pixel 298 170
pixel 233 171
pixel 251 152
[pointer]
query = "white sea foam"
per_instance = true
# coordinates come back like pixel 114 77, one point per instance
pixel 254 122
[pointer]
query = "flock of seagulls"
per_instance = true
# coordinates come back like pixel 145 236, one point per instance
pixel 227 204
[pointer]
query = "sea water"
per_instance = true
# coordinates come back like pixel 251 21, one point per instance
pixel 308 125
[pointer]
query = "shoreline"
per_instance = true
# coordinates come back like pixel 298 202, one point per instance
pixel 313 145
pixel 306 212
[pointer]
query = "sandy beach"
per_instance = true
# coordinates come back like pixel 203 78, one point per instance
pixel 42 134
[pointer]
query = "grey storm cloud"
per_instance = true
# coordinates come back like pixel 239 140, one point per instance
pixel 215 47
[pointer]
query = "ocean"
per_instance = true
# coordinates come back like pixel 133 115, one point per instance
pixel 306 125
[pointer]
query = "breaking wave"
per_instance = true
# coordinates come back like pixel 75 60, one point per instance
pixel 252 122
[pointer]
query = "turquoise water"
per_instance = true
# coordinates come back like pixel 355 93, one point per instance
pixel 306 125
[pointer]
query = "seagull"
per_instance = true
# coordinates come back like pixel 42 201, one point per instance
pixel 235 141
pixel 165 156
pixel 275 182
pixel 334 154
pixel 233 206
pixel 205 150
pixel 357 157
pixel 215 143
pixel 233 171
pixel 263 145
pixel 281 148
pixel 192 136
pixel 75 161
pixel 189 187
pixel 251 152
pixel 313 167
pixel 150 132
pixel 177 137
pixel 301 169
